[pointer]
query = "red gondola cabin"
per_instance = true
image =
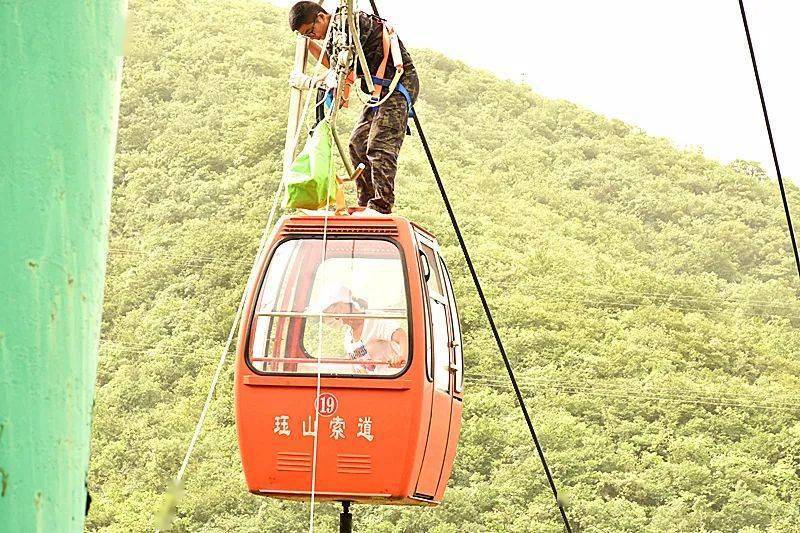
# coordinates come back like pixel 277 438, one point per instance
pixel 370 307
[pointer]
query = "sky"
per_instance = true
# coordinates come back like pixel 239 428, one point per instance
pixel 679 68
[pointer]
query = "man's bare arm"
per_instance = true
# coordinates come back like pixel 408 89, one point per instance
pixel 315 50
pixel 399 336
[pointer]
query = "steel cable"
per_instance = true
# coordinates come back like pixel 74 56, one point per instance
pixel 769 134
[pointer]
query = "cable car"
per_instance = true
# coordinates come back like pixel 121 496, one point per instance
pixel 363 308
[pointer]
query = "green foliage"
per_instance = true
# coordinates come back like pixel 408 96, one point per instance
pixel 646 296
pixel 749 168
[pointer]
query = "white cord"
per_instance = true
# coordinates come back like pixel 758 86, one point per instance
pixel 264 240
pixel 331 124
pixel 323 281
pixel 224 354
pixel 319 361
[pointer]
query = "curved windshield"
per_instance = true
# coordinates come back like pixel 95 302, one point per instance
pixel 343 312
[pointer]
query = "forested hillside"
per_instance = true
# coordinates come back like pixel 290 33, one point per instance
pixel 646 295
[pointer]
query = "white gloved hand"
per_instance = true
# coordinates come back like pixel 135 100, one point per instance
pixel 301 81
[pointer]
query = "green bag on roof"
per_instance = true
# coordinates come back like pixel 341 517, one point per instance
pixel 310 183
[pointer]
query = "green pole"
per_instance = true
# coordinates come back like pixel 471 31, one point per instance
pixel 60 66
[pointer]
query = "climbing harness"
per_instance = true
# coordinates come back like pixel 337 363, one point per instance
pixel 399 87
pixel 391 46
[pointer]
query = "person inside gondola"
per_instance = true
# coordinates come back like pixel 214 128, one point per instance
pixel 366 340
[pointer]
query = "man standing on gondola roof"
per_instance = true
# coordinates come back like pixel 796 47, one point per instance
pixel 378 135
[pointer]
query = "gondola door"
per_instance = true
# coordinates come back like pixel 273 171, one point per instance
pixel 439 368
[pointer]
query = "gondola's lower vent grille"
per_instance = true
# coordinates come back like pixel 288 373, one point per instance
pixel 293 462
pixel 350 463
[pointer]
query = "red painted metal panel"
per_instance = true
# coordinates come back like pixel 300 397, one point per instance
pixel 370 448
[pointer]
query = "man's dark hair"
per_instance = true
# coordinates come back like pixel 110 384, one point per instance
pixel 303 13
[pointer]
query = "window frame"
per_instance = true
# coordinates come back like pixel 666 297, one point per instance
pixel 426 313
pixel 262 278
pixel 428 295
pixel 433 361
pixel 458 381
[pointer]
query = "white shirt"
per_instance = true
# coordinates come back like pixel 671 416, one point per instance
pixel 373 329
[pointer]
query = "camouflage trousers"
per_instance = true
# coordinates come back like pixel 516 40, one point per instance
pixel 376 142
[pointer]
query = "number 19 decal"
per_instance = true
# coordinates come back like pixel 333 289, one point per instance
pixel 327 404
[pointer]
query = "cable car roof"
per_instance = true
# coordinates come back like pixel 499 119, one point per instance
pixel 315 224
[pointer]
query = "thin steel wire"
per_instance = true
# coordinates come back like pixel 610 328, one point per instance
pixel 769 134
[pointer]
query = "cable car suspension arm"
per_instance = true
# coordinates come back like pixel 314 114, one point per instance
pixel 346 51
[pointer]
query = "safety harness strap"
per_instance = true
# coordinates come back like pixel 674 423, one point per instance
pixel 379 82
pixel 391 45
pixel 381 72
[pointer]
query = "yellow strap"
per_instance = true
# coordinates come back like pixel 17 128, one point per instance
pixel 341 203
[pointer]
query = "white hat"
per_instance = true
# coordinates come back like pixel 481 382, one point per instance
pixel 331 295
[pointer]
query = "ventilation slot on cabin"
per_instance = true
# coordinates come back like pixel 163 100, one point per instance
pixel 373 229
pixel 347 463
pixel 293 462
